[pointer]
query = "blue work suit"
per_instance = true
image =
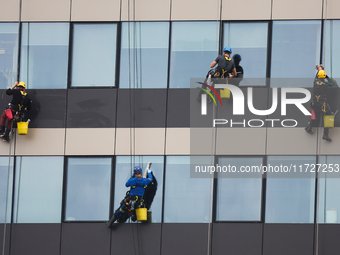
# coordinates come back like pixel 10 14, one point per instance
pixel 137 192
pixel 139 185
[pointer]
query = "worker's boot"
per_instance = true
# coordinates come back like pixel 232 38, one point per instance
pixel 309 129
pixel 5 137
pixel 2 131
pixel 326 137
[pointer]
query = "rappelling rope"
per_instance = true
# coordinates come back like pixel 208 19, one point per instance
pixel 10 141
pixel 214 131
pixel 319 134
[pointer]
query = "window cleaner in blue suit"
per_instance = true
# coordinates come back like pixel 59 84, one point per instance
pixel 134 197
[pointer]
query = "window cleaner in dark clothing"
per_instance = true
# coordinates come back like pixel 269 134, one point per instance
pixel 239 70
pixel 19 104
pixel 133 197
pixel 225 65
pixel 319 103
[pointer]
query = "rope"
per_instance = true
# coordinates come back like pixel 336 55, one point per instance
pixel 10 141
pixel 318 134
pixel 213 134
pixel 7 192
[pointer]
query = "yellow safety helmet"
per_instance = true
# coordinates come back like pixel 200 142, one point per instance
pixel 322 74
pixel 22 84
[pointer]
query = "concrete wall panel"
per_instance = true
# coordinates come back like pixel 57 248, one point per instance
pixel 90 141
pixel 42 10
pixel 297 9
pixel 99 10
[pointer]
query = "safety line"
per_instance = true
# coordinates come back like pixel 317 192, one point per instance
pixel 324 5
pixel 7 193
pixel 10 141
pixel 214 132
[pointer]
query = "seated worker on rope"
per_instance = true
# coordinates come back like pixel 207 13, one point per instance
pixel 225 65
pixel 19 104
pixel 319 102
pixel 225 69
pixel 133 198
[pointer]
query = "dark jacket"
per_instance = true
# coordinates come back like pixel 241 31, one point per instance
pixel 20 97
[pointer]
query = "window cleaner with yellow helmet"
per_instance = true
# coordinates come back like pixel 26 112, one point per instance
pixel 320 107
pixel 20 103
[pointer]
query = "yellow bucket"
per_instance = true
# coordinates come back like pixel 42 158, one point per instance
pixel 142 214
pixel 225 93
pixel 22 128
pixel 328 121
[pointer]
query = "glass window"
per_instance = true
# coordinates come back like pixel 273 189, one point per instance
pixel 332 49
pixel 290 200
pixel 44 55
pixel 239 199
pixel 6 184
pixel 148 52
pixel 38 189
pixel 194 46
pixel 124 168
pixel 88 189
pixel 295 52
pixel 328 190
pixel 249 40
pixel 94 55
pixel 8 54
pixel 186 199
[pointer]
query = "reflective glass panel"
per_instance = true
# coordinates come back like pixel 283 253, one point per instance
pixel 331 49
pixel 148 53
pixel 295 52
pixel 239 199
pixel 88 189
pixel 38 189
pixel 6 185
pixel 249 40
pixel 44 55
pixel 194 46
pixel 186 199
pixel 8 54
pixel 290 200
pixel 94 55
pixel 328 190
pixel 124 168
